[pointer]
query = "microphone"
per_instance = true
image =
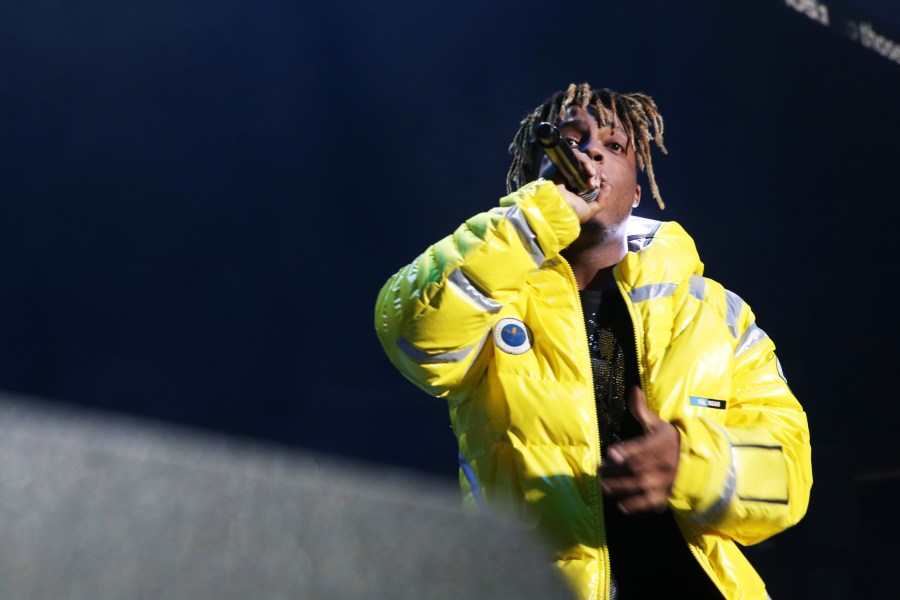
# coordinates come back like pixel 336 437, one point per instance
pixel 564 160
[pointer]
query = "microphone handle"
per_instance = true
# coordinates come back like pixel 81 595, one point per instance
pixel 564 159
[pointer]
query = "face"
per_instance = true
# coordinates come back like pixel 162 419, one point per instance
pixel 607 148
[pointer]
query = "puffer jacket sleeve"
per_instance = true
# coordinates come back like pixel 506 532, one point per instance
pixel 750 476
pixel 434 315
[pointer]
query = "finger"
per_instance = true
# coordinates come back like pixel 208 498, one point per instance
pixel 651 478
pixel 619 454
pixel 637 405
pixel 582 209
pixel 643 503
pixel 632 453
pixel 618 487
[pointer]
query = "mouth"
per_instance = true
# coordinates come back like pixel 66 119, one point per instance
pixel 604 190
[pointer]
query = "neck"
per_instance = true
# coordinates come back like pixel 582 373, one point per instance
pixel 594 251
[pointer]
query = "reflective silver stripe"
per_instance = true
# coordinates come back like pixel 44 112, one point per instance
pixel 649 292
pixel 751 337
pixel 697 287
pixel 462 283
pixel 727 492
pixel 515 216
pixel 640 232
pixel 474 486
pixel 641 227
pixel 423 357
pixel 778 366
pixel 734 304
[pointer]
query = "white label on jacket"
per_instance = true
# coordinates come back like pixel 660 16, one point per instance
pixel 708 402
pixel 512 336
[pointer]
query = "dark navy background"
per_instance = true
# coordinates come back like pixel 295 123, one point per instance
pixel 201 200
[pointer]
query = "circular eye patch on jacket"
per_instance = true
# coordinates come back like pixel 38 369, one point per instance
pixel 512 336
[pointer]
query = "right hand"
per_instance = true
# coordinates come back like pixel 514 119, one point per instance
pixel 586 210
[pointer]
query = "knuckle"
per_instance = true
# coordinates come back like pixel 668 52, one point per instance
pixel 645 481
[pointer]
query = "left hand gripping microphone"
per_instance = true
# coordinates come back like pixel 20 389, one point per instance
pixel 564 159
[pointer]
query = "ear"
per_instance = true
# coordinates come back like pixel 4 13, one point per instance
pixel 637 196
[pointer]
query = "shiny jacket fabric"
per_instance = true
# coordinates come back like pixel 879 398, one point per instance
pixel 489 318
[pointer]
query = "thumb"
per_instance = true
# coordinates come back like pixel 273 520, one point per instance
pixel 637 406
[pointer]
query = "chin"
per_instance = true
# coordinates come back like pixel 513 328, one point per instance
pixel 594 227
pixel 598 231
pixel 593 232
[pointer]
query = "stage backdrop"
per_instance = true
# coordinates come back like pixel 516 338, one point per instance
pixel 201 201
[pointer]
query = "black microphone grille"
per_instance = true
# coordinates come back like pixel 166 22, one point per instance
pixel 546 134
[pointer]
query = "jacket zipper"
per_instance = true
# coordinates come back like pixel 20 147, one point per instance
pixel 595 488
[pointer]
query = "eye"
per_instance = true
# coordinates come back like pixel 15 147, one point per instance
pixel 615 147
pixel 570 142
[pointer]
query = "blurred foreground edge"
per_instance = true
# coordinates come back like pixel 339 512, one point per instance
pixel 103 507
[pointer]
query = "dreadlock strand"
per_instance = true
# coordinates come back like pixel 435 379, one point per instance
pixel 512 175
pixel 584 95
pixel 654 119
pixel 624 115
pixel 654 189
pixel 658 126
pixel 570 94
pixel 618 110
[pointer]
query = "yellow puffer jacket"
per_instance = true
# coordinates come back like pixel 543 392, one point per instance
pixel 489 318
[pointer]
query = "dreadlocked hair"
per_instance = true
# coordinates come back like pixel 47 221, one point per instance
pixel 636 112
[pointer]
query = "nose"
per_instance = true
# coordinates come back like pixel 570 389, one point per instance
pixel 593 152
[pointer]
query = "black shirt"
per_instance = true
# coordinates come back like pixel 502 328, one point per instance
pixel 648 555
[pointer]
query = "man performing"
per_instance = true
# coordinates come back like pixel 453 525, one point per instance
pixel 602 391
